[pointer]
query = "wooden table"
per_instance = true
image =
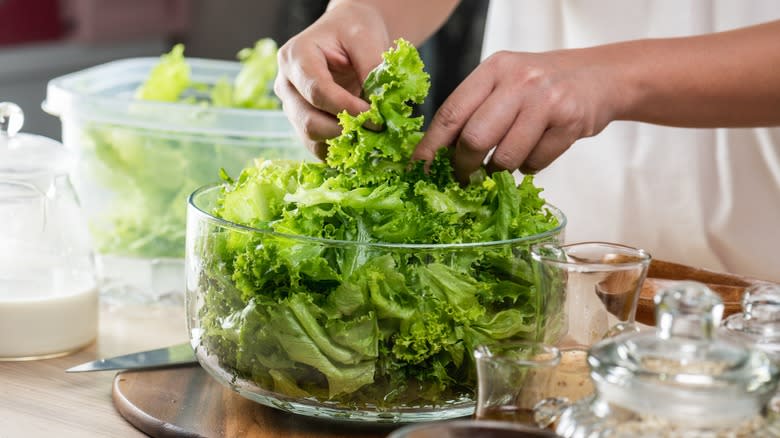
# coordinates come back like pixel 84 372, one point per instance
pixel 38 399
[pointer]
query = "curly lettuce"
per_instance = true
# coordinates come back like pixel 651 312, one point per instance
pixel 371 326
pixel 168 79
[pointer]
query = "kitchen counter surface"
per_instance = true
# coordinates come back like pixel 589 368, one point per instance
pixel 38 399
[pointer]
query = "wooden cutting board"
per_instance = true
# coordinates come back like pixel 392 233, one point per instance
pixel 187 402
pixel 662 274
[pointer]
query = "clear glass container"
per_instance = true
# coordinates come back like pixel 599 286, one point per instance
pixel 759 322
pixel 354 348
pixel 48 291
pixel 601 282
pixel 680 380
pixel 529 383
pixel 513 379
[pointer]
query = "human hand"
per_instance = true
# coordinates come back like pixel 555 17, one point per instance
pixel 530 106
pixel 322 69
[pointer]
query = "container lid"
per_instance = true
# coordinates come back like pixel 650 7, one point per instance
pixel 105 94
pixel 759 322
pixel 25 156
pixel 682 371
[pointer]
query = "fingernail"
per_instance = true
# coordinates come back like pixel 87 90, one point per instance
pixel 525 170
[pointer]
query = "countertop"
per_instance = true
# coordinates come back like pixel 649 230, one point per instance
pixel 38 399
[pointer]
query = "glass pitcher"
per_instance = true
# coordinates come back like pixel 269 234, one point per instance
pixel 48 290
pixel 679 380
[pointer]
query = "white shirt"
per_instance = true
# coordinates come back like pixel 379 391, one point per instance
pixel 704 197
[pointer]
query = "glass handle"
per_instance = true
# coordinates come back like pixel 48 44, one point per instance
pixel 11 119
pixel 688 309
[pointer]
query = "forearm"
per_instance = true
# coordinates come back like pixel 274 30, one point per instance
pixel 727 79
pixel 414 20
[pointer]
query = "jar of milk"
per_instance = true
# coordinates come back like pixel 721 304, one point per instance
pixel 48 287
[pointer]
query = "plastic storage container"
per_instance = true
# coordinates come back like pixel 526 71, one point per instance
pixel 139 160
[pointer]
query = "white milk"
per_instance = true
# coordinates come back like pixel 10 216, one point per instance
pixel 46 316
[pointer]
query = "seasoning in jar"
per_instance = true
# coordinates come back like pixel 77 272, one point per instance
pixel 571 378
pixel 518 388
pixel 513 377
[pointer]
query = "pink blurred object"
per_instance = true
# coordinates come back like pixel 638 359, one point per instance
pixel 23 21
pixel 97 21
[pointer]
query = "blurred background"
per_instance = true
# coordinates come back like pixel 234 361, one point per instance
pixel 43 39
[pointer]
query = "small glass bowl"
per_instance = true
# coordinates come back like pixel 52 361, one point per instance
pixel 364 331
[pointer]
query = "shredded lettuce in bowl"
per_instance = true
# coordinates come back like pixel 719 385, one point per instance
pixel 366 283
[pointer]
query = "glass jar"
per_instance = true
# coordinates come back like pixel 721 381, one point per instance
pixel 48 289
pixel 357 331
pixel 679 380
pixel 759 322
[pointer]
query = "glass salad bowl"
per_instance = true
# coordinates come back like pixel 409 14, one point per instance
pixel 357 331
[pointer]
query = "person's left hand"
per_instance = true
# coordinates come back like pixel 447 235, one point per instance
pixel 530 106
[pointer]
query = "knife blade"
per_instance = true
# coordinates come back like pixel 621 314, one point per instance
pixel 174 355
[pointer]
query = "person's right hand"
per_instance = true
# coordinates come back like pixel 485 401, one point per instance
pixel 322 69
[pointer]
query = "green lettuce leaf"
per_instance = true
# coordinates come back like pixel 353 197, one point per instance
pixel 359 320
pixel 369 156
pixel 252 85
pixel 168 79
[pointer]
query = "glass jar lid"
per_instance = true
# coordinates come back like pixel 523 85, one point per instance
pixel 682 371
pixel 759 322
pixel 25 156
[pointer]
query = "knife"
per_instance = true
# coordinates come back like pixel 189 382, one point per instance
pixel 174 355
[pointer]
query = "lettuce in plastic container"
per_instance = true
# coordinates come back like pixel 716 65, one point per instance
pixel 150 172
pixel 366 327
